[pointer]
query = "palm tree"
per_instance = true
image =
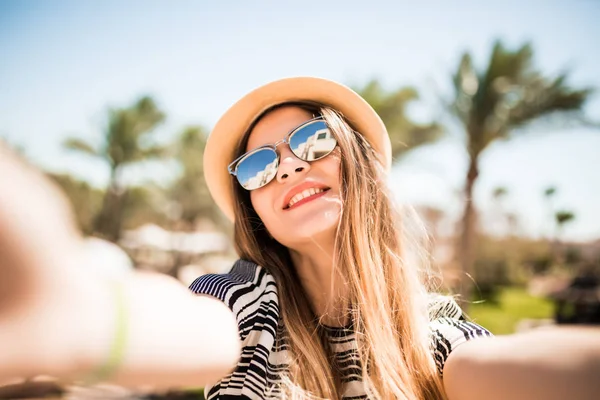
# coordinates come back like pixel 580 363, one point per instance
pixel 549 195
pixel 188 198
pixel 562 217
pixel 190 192
pixel 499 195
pixel 127 130
pixel 405 134
pixel 491 104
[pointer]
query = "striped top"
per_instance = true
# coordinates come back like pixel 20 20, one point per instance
pixel 250 292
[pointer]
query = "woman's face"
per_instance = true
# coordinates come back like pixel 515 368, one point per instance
pixel 302 203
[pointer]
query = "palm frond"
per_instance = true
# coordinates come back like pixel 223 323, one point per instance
pixel 81 146
pixel 154 152
pixel 509 93
pixel 127 130
pixel 405 134
pixel 544 98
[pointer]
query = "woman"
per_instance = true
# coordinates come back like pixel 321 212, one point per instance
pixel 322 262
pixel 326 298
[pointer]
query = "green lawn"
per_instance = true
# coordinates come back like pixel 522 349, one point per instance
pixel 513 304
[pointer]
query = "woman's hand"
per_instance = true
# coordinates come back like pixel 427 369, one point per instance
pixel 37 232
pixel 41 301
pixel 58 317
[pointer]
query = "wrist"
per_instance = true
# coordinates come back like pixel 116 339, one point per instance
pixel 95 334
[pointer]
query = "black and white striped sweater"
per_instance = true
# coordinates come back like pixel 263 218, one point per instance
pixel 250 292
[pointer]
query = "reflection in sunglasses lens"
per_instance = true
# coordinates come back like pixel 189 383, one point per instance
pixel 309 143
pixel 258 169
pixel 313 141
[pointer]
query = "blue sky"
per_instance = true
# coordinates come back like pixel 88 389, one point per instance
pixel 62 63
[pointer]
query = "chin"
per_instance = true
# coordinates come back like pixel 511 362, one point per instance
pixel 320 226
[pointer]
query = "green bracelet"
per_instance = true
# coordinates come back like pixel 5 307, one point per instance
pixel 117 348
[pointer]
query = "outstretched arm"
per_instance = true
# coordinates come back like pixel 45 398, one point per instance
pixel 549 363
pixel 59 318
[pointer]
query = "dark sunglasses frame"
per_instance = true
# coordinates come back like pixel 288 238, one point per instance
pixel 232 168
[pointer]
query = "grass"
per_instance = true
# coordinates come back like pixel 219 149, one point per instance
pixel 513 304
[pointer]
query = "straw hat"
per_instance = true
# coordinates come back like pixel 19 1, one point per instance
pixel 229 130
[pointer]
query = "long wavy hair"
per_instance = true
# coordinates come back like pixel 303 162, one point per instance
pixel 388 297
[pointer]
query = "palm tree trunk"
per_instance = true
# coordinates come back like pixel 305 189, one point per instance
pixel 466 250
pixel 107 224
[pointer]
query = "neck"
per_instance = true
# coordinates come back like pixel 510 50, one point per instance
pixel 322 282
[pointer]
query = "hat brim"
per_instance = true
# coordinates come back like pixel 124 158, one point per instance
pixel 229 130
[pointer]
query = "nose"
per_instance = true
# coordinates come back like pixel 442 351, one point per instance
pixel 290 166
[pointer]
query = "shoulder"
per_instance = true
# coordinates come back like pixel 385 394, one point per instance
pixel 244 278
pixel 440 306
pixel 250 292
pixel 248 289
pixel 449 328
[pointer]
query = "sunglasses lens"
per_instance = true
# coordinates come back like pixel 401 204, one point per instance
pixel 257 169
pixel 313 141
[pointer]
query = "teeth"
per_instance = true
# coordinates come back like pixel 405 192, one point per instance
pixel 305 193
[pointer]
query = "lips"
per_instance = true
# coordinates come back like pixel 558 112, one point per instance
pixel 302 193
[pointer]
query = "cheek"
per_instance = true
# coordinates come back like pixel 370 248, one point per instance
pixel 331 166
pixel 261 203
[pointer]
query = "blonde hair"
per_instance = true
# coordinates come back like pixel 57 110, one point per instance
pixel 388 301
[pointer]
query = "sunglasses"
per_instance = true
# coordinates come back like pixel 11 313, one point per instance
pixel 310 141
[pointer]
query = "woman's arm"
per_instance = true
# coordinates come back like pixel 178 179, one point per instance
pixel 173 339
pixel 59 318
pixel 548 363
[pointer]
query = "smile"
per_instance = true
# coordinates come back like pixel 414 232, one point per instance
pixel 305 196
